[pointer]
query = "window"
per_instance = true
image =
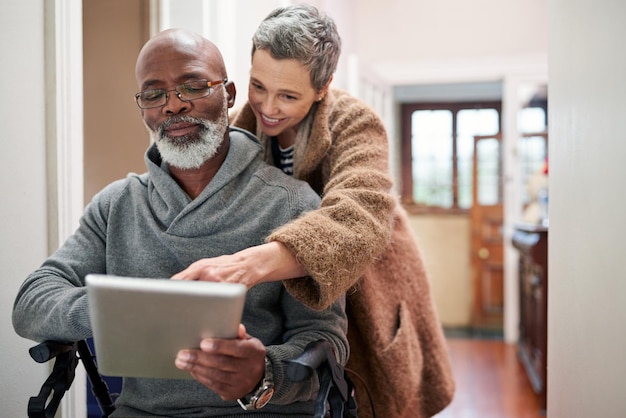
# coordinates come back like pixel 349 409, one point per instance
pixel 437 153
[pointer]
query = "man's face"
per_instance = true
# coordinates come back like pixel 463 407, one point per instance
pixel 187 133
pixel 189 151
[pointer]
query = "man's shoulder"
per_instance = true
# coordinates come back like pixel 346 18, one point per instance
pixel 294 190
pixel 244 134
pixel 242 139
pixel 275 176
pixel 269 176
pixel 121 187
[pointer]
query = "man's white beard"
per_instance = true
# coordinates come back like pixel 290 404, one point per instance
pixel 189 152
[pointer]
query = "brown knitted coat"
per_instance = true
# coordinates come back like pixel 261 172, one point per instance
pixel 360 242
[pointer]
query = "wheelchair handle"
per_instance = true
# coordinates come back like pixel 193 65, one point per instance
pixel 318 355
pixel 334 388
pixel 314 354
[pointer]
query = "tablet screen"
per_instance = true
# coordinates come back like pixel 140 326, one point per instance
pixel 140 324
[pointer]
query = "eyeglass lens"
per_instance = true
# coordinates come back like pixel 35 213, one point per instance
pixel 191 90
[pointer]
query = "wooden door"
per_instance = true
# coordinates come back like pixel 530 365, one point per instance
pixel 486 217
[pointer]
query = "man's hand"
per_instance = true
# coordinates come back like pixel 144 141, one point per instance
pixel 230 368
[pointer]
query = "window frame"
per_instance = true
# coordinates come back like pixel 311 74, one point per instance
pixel 406 152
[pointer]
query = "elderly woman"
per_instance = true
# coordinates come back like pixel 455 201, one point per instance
pixel 359 241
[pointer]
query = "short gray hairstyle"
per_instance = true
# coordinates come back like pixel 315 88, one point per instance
pixel 303 33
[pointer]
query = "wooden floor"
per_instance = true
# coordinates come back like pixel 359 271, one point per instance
pixel 491 382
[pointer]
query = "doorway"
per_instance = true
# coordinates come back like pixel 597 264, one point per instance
pixel 486 248
pixel 115 138
pixel 438 190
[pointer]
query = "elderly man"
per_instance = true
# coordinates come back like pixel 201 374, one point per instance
pixel 206 193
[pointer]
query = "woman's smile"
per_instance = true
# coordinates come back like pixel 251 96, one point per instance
pixel 269 121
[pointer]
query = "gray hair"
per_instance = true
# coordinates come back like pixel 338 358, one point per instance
pixel 303 33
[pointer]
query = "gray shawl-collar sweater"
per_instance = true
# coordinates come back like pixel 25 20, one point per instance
pixel 146 226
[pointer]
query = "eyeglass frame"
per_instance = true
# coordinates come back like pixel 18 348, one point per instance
pixel 178 94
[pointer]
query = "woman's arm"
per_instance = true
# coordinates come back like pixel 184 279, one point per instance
pixel 352 228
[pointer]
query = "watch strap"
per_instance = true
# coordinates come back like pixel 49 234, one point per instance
pixel 263 394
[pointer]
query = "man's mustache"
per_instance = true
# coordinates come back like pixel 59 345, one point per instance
pixel 180 119
pixel 161 134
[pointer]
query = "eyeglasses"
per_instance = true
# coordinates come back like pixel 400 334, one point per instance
pixel 186 92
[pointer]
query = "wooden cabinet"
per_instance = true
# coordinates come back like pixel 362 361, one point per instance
pixel 532 243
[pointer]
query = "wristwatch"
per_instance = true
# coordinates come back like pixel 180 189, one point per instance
pixel 263 394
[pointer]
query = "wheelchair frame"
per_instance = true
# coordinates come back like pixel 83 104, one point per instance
pixel 336 389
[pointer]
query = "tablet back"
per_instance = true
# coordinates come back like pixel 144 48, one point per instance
pixel 140 324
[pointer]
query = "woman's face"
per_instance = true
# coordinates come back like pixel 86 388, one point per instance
pixel 280 93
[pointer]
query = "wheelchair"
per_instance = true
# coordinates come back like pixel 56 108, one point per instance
pixel 335 397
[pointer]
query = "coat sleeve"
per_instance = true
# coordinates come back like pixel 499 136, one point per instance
pixel 353 225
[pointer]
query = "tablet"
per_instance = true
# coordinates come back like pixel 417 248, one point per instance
pixel 140 324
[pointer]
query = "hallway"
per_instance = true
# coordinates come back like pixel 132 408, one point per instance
pixel 491 382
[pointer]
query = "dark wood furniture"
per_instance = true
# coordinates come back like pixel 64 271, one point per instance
pixel 532 243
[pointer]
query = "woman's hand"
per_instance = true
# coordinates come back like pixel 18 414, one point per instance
pixel 233 268
pixel 263 263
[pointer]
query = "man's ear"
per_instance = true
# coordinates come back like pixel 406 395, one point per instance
pixel 231 90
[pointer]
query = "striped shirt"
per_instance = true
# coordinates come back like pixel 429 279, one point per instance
pixel 283 157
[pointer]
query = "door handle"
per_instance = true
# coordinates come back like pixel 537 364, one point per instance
pixel 483 253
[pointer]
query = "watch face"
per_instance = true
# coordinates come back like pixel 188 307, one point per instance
pixel 264 398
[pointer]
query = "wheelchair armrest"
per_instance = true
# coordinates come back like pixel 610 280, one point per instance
pixel 46 403
pixel 335 387
pixel 315 354
pixel 49 349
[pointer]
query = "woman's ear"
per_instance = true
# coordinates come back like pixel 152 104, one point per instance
pixel 322 93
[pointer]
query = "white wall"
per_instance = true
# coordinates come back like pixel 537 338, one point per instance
pixel 445 245
pixel 41 168
pixel 397 34
pixel 214 19
pixel 23 183
pixel 587 272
